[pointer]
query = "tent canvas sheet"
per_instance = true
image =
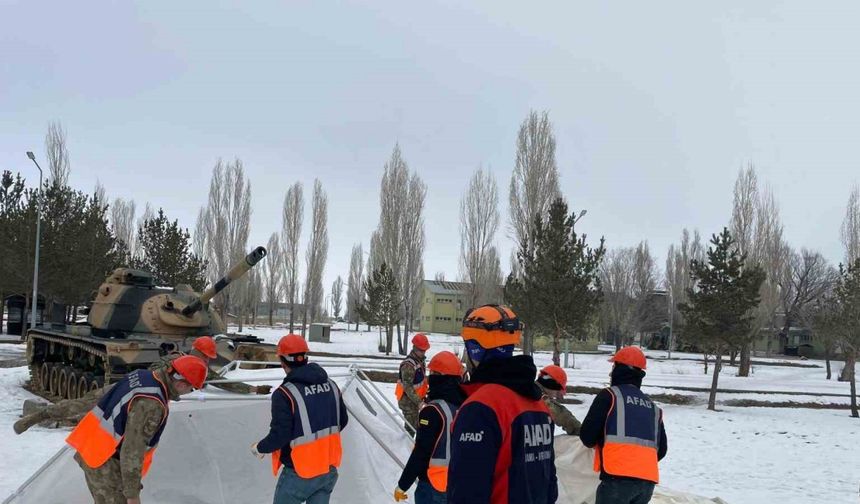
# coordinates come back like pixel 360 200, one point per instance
pixel 204 458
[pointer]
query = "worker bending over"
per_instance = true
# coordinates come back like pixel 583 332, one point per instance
pixel 115 442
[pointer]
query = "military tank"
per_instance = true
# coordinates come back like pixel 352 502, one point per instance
pixel 131 324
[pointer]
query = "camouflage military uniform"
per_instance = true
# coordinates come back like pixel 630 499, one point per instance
pixel 118 479
pixel 69 411
pixel 409 402
pixel 562 416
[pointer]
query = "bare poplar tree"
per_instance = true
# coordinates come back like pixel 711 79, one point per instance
pixel 758 229
pixel 439 276
pixel 677 275
pixel 199 243
pixel 123 226
pixel 100 194
pixel 534 183
pixel 774 259
pixel 850 234
pixel 355 282
pixel 316 254
pixel 148 214
pixel 479 220
pixel 492 279
pixel 337 297
pixel 850 230
pixel 413 236
pixel 645 278
pixel 375 257
pixel 618 281
pixel 291 231
pixel 399 239
pixel 228 219
pixel 273 271
pixel 57 154
pixel 744 211
pixel 534 186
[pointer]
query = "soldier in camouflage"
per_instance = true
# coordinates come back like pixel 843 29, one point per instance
pixel 70 411
pixel 118 480
pixel 552 381
pixel 412 380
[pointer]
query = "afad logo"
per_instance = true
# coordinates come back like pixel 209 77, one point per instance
pixel 538 435
pixel 472 437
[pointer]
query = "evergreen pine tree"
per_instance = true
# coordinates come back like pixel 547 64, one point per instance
pixel 382 305
pixel 167 253
pixel 559 290
pixel 846 322
pixel 718 311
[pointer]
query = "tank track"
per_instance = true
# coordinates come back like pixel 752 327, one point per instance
pixel 62 368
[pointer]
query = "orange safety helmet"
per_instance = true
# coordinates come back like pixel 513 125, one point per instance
pixel 421 342
pixel 192 369
pixel 293 348
pixel 631 355
pixel 206 346
pixel 446 363
pixel 491 326
pixel 556 373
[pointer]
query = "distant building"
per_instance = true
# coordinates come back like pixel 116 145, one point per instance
pixel 443 305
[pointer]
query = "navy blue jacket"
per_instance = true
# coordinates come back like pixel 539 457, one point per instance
pixel 502 446
pixel 281 427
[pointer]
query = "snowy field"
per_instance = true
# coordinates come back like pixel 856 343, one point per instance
pixel 741 454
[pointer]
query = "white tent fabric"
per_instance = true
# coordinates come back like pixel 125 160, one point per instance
pixel 204 457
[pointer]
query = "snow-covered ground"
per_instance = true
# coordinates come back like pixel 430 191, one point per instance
pixel 22 455
pixel 744 455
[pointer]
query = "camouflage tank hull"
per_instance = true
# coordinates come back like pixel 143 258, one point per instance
pixel 132 324
pixel 68 364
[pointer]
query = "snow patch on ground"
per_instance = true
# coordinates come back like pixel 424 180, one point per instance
pixel 24 454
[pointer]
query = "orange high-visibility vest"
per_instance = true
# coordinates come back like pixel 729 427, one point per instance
pixel 313 452
pixel 437 471
pixel 631 436
pixel 99 434
pixel 419 383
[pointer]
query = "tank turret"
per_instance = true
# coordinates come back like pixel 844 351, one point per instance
pixel 129 304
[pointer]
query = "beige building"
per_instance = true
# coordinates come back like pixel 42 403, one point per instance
pixel 443 305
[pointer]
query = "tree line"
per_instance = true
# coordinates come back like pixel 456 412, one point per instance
pixel 83 237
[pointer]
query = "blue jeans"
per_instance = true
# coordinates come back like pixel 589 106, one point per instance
pixel 426 494
pixel 293 489
pixel 624 491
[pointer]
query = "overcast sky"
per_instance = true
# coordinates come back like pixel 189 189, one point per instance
pixel 656 105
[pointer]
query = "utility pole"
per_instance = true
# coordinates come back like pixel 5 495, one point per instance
pixel 34 303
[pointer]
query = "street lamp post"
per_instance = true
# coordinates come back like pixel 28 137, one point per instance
pixel 35 301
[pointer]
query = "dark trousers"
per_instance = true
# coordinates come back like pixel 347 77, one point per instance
pixel 426 494
pixel 624 491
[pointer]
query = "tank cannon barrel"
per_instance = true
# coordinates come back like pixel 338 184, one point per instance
pixel 236 272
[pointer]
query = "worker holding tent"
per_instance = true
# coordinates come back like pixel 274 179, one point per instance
pixel 411 384
pixel 115 442
pixel 626 429
pixel 502 444
pixel 308 414
pixel 552 381
pixel 432 451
